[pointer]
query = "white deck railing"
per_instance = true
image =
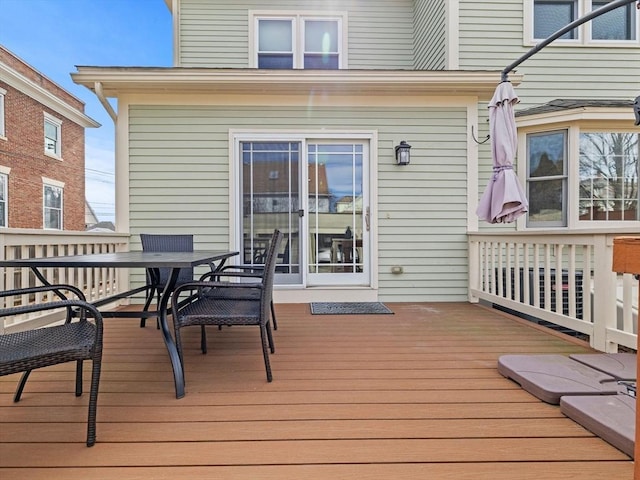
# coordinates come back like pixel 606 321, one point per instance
pixel 528 273
pixel 96 283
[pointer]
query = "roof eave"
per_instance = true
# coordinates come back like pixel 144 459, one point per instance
pixel 581 114
pixel 116 81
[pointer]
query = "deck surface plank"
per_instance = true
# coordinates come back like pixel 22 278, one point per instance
pixel 405 396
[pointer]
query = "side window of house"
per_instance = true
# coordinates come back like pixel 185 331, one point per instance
pixel 549 16
pixel 3 133
pixel 52 206
pixel 4 180
pixel 296 42
pixel 618 24
pixel 52 136
pixel 547 179
pixel 608 176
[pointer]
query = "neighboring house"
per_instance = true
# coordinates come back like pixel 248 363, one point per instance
pixel 41 150
pixel 301 88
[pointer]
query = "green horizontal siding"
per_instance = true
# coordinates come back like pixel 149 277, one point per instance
pixel 179 182
pixel 216 34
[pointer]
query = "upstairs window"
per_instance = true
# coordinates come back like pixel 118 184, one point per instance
pixel 549 16
pixel 618 24
pixel 52 136
pixel 52 206
pixel 298 42
pixel 3 133
pixel 545 17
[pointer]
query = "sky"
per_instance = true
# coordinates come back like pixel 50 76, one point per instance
pixel 53 36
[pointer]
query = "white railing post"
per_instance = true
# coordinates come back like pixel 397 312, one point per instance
pixel 604 293
pixel 474 270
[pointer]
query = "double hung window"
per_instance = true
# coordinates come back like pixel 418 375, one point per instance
pixel 52 206
pixel 52 136
pixel 4 181
pixel 2 123
pixel 298 42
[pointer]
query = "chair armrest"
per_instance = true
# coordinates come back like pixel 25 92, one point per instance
pixel 243 273
pixel 202 287
pixel 41 307
pixel 45 288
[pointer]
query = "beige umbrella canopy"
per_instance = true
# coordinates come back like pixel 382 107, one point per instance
pixel 504 199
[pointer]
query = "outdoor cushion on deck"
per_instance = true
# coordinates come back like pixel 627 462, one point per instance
pixel 621 366
pixel 611 417
pixel 549 377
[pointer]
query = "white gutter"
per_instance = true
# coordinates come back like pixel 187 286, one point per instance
pixel 97 88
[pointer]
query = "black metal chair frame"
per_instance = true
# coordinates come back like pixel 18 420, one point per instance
pixel 223 303
pixel 72 341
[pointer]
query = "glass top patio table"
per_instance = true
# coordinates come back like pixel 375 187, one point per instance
pixel 153 260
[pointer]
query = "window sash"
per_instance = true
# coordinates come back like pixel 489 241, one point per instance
pixel 2 122
pixel 52 207
pixel 547 180
pixel 618 24
pixel 549 16
pixel 3 199
pixel 51 137
pixel 608 173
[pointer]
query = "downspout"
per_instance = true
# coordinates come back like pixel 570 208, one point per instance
pixel 97 88
pixel 576 23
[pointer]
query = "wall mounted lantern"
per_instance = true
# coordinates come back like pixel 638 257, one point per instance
pixel 403 157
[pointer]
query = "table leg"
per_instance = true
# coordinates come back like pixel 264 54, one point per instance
pixel 176 364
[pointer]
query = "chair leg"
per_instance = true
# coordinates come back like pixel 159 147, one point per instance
pixel 21 384
pixel 93 402
pixel 273 316
pixel 265 351
pixel 78 378
pixel 272 347
pixel 203 339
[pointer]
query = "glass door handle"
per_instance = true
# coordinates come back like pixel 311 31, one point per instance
pixel 366 218
pixel 301 213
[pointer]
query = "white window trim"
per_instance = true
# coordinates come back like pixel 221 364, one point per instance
pixel 58 123
pixel 4 171
pixel 298 33
pixel 584 31
pixel 3 131
pixel 57 184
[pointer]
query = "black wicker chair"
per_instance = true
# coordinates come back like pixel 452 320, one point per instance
pixel 246 272
pixel 72 341
pixel 157 279
pixel 212 306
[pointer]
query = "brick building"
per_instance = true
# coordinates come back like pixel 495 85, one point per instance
pixel 42 150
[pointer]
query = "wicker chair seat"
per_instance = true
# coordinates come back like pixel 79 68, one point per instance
pixel 46 346
pixel 222 311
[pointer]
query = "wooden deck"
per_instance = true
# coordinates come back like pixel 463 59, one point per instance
pixel 413 395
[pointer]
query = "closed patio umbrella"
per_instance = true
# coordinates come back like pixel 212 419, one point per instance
pixel 504 199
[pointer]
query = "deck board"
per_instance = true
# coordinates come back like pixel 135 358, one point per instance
pixel 410 395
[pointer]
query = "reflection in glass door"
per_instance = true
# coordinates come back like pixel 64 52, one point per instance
pixel 338 214
pixel 270 199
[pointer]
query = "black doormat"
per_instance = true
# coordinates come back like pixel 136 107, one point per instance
pixel 349 308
